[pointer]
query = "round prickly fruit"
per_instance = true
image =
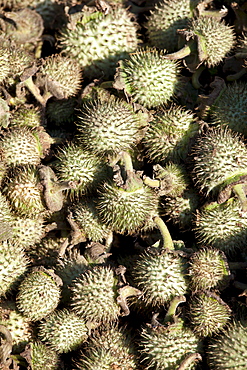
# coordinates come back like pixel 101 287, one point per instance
pixel 107 127
pixel 208 269
pixel 13 265
pixel 4 111
pixel 94 295
pixel 222 226
pixel 164 21
pixel 229 109
pixel 6 219
pixel 40 357
pixel 169 134
pixel 98 41
pixel 63 331
pixel 61 75
pixel 26 116
pixel 81 166
pixel 38 294
pixel 61 112
pixel 160 276
pixel 208 313
pixel 228 350
pixel 28 231
pixel 149 78
pixel 126 210
pixel 219 158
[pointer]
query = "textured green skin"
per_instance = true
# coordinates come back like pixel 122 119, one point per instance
pixel 4 63
pixel 126 211
pixel 160 277
pixel 63 331
pixel 61 112
pixel 23 192
pixel 208 269
pixel 228 351
pixel 4 110
pixel 216 38
pixel 82 166
pixel 164 21
pixel 222 226
pixel 150 79
pixel 38 295
pixel 94 295
pixel 108 350
pixel 167 348
pixel 107 127
pixel 20 147
pixel 208 314
pixel 230 108
pixel 24 116
pixel 173 177
pixel 6 219
pixel 28 231
pixel 218 156
pixel 43 357
pixel 85 215
pixel 168 135
pixel 63 73
pixel 14 4
pixel 13 265
pixel 99 41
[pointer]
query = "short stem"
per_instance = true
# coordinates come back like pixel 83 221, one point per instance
pixel 182 53
pixel 171 312
pixel 189 360
pixel 196 75
pixel 167 239
pixel 107 85
pixel 237 75
pixel 150 182
pixel 240 193
pixel 34 90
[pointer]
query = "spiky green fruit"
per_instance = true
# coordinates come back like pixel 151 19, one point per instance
pixel 98 41
pixel 107 127
pixel 82 167
pixel 127 209
pixel 208 269
pixel 60 112
pixel 219 159
pixel 4 112
pixel 164 21
pixel 63 331
pixel 6 219
pixel 28 231
pixel 165 347
pixel 52 12
pixel 40 357
pixel 13 265
pixel 160 276
pixel 228 350
pixel 94 295
pixel 24 192
pixel 85 215
pixel 169 134
pixel 110 348
pixel 46 252
pixel 61 75
pixel 29 116
pixel 208 313
pixel 149 78
pixel 23 145
pixel 222 226
pixel 39 293
pixel 15 4
pixel 229 109
pixel 21 328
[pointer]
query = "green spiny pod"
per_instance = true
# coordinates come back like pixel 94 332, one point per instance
pixel 229 109
pixel 60 112
pixel 6 219
pixel 61 75
pixel 28 231
pixel 94 295
pixel 228 351
pixel 208 313
pixel 52 12
pixel 149 78
pixel 219 159
pixel 127 209
pixel 21 328
pixel 164 21
pixel 15 4
pixel 63 331
pixel 107 127
pixel 40 357
pixel 4 64
pixel 208 269
pixel 46 252
pixel 23 145
pixel 85 215
pixel 24 192
pixel 4 111
pixel 24 115
pixel 82 167
pixel 98 41
pixel 39 293
pixel 222 226
pixel 14 263
pixel 160 276
pixel 109 348
pixel 169 134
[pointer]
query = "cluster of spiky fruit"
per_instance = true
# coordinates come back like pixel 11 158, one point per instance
pixel 116 199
